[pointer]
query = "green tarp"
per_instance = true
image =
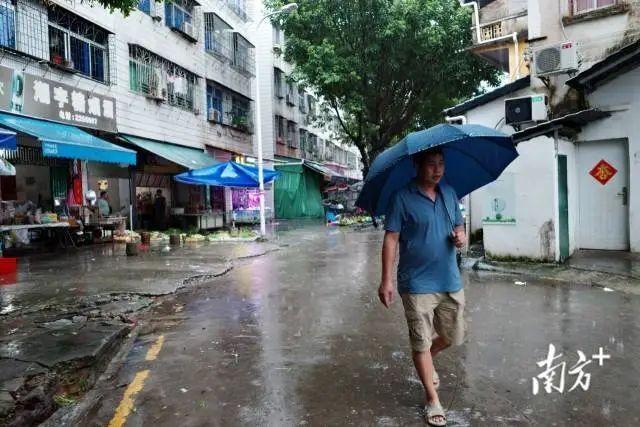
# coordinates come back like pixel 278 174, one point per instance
pixel 297 193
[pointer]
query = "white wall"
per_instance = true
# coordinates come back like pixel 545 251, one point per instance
pixel 623 96
pixel 138 115
pixel 532 235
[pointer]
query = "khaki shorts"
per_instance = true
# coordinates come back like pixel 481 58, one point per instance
pixel 440 314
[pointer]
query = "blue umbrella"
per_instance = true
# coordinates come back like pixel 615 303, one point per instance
pixel 474 156
pixel 228 174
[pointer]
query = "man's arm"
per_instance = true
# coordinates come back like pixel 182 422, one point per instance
pixel 459 236
pixel 389 250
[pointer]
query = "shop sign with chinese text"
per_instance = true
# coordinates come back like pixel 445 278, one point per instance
pixel 33 96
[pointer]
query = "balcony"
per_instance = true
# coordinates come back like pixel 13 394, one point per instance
pixel 493 37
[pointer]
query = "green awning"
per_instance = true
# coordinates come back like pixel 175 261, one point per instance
pixel 316 167
pixel 190 158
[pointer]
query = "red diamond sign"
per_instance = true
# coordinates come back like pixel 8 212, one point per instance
pixel 603 172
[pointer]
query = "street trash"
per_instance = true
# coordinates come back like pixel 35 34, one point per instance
pixel 519 283
pixel 607 289
pixel 184 390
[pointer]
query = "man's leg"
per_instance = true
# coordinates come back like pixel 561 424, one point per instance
pixel 419 310
pixel 438 344
pixel 424 366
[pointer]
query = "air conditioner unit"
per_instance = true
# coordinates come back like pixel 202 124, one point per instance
pixel 155 12
pixel 526 109
pixel 214 115
pixel 187 28
pixel 555 59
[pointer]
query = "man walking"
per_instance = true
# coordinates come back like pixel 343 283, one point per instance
pixel 424 219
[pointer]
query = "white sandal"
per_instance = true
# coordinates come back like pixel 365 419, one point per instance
pixel 433 412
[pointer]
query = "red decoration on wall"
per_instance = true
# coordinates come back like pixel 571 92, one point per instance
pixel 603 172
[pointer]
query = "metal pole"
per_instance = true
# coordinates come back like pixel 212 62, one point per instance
pixel 263 227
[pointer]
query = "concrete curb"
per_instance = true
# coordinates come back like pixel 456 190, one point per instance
pixel 564 275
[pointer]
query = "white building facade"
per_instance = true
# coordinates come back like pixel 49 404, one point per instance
pixel 571 188
pixel 174 81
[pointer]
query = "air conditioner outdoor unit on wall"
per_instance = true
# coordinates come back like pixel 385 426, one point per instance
pixel 214 115
pixel 532 108
pixel 555 59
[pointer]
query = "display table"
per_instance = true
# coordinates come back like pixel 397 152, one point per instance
pixel 108 223
pixel 60 229
pixel 206 220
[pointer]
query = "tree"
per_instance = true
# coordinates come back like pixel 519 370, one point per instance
pixel 124 6
pixel 386 67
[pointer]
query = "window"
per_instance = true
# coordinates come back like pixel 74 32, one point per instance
pixel 278 77
pixel 145 6
pixel 241 113
pixel 78 44
pixel 238 7
pixel 581 6
pixel 161 79
pixel 290 93
pixel 312 105
pixel 302 104
pixel 244 56
pixel 214 99
pixel 179 15
pixel 7 25
pixel 292 139
pixel 278 36
pixel 304 146
pixel 279 129
pixel 218 36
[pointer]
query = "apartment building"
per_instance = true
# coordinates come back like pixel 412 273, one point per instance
pixel 569 103
pixel 126 102
pixel 299 133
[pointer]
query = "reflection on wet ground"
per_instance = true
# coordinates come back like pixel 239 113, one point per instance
pixel 63 277
pixel 297 337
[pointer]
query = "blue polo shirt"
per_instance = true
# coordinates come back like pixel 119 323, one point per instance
pixel 427 254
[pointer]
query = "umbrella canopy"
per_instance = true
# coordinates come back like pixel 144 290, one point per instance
pixel 228 174
pixel 474 156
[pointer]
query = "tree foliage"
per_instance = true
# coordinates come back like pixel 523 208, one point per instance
pixel 386 67
pixel 124 6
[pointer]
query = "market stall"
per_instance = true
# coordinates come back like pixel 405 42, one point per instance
pixel 163 203
pixel 242 179
pixel 50 181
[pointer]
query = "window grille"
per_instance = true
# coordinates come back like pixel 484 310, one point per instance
pixel 244 55
pixel 279 129
pixel 278 77
pixel 218 36
pixel 78 44
pixel 292 139
pixel 582 6
pixel 182 16
pixel 302 105
pixel 239 7
pixel 161 79
pixel 56 35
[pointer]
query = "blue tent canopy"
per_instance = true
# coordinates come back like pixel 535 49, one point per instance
pixel 228 174
pixel 8 140
pixel 69 142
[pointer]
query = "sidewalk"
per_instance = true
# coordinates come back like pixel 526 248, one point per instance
pixel 612 270
pixel 65 315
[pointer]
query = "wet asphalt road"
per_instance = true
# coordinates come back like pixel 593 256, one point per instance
pixel 297 337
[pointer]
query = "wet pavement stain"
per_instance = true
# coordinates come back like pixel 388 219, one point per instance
pixel 297 337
